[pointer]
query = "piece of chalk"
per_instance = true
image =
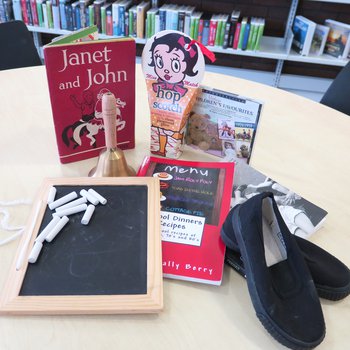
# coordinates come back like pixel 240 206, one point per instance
pixel 101 199
pixel 63 200
pixel 33 256
pixel 59 226
pixel 52 194
pixel 92 199
pixel 71 211
pixel 47 229
pixel 78 201
pixel 88 214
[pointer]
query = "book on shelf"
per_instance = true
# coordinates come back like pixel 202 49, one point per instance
pixel 249 182
pixel 303 30
pixel 235 18
pixel 141 10
pixel 195 199
pixel 338 40
pixel 228 124
pixel 80 69
pixel 241 33
pixel 319 40
pixel 246 34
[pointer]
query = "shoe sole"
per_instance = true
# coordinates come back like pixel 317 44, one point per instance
pixel 275 331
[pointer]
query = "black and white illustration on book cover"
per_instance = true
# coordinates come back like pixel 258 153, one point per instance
pixel 302 217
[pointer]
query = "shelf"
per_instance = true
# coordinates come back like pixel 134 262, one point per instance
pixel 323 59
pixel 333 1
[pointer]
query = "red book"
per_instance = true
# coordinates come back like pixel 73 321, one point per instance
pixel 195 200
pixel 24 12
pixel 236 37
pixel 212 32
pixel 200 30
pixel 34 12
pixel 78 74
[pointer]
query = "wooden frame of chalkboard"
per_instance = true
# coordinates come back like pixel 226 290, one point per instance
pixel 27 290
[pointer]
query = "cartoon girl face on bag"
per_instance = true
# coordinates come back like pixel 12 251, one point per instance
pixel 173 59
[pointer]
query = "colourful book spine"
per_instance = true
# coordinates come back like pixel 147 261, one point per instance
pixel 121 20
pixel 103 20
pixel 200 30
pixel 192 25
pixel 252 35
pixel 222 33
pixel 241 34
pixel 91 14
pixel 226 34
pixel 126 14
pixel 246 36
pixel 39 9
pixel 205 36
pixel 212 32
pixel 218 33
pixel 260 34
pixel 196 27
pixel 34 12
pixel 24 11
pixel 49 13
pixel 63 14
pixel 236 37
pixel 109 22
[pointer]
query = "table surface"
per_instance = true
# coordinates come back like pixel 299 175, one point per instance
pixel 300 143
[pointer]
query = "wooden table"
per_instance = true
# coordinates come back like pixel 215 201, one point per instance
pixel 299 143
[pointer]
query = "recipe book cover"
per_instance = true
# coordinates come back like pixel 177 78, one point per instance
pixel 78 74
pixel 195 200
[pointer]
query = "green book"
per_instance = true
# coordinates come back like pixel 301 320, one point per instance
pixel 218 33
pixel 103 19
pixel 241 34
pixel 254 34
pixel 260 33
pixel 39 9
pixel 49 13
pixel 223 28
pixel 251 33
pixel 91 13
pixel 196 26
pixel 84 34
pixel 192 27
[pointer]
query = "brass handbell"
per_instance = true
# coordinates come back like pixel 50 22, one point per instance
pixel 111 161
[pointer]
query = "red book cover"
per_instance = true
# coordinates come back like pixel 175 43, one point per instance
pixel 212 32
pixel 195 200
pixel 236 37
pixel 24 11
pixel 200 30
pixel 78 75
pixel 34 12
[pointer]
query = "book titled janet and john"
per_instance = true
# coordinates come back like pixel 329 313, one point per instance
pixel 80 69
pixel 195 200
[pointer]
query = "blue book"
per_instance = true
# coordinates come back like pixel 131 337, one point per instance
pixel 303 30
pixel 77 17
pixel 87 17
pixel 162 17
pixel 63 14
pixel 246 36
pixel 121 22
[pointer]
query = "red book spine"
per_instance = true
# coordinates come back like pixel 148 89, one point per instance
pixel 24 12
pixel 212 32
pixel 236 38
pixel 200 30
pixel 109 24
pixel 34 12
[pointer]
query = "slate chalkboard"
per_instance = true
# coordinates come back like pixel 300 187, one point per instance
pixel 108 256
pixel 111 265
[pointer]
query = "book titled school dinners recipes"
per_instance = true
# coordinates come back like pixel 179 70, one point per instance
pixel 195 199
pixel 80 69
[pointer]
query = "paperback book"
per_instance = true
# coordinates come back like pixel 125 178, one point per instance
pixel 302 217
pixel 303 30
pixel 338 40
pixel 195 200
pixel 319 40
pixel 223 124
pixel 80 69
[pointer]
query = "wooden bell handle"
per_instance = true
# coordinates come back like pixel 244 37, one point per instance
pixel 109 113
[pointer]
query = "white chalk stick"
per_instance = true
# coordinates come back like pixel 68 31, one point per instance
pixel 63 200
pixel 47 229
pixel 71 211
pixel 101 199
pixel 33 256
pixel 88 214
pixel 29 234
pixel 78 201
pixel 59 226
pixel 52 194
pixel 92 199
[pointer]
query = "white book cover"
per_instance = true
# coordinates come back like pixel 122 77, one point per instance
pixel 319 40
pixel 338 40
pixel 303 30
pixel 56 17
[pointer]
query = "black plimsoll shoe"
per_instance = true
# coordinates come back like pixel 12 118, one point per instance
pixel 279 282
pixel 331 277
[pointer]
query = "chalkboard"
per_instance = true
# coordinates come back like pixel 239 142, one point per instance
pixel 114 255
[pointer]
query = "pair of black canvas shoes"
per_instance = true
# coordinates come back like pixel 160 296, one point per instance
pixel 285 273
